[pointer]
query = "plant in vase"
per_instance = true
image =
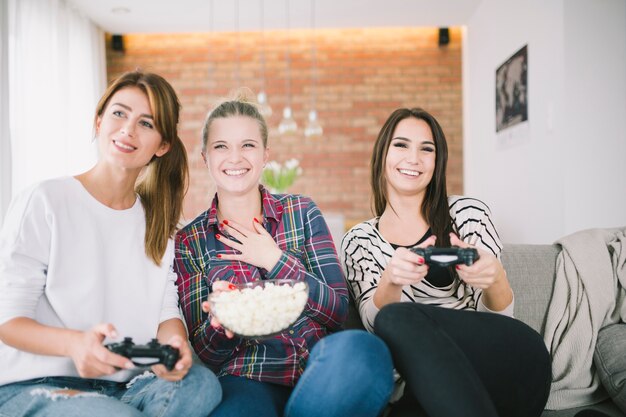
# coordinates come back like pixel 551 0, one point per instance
pixel 279 177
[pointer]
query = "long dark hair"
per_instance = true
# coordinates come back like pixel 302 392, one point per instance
pixel 164 183
pixel 435 209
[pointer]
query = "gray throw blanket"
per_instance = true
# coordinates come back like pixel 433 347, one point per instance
pixel 588 295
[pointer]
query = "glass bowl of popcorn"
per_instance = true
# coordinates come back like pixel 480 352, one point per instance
pixel 260 308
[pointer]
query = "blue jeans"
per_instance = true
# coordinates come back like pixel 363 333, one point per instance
pixel 349 373
pixel 195 395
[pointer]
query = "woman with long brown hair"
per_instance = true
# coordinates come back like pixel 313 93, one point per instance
pixel 87 259
pixel 470 357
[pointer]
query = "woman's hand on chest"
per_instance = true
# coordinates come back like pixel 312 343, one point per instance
pixel 256 246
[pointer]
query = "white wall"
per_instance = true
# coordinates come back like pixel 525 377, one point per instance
pixel 569 171
pixel 595 113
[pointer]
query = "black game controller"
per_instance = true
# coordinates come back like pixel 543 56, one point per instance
pixel 165 354
pixel 447 256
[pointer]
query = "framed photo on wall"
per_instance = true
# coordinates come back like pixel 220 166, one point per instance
pixel 512 91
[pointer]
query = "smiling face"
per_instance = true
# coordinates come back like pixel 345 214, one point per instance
pixel 235 154
pixel 126 132
pixel 410 161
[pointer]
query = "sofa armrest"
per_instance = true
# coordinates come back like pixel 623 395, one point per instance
pixel 530 270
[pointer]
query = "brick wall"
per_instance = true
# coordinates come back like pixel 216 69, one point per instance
pixel 363 75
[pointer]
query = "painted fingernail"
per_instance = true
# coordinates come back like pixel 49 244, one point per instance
pixel 219 256
pixel 218 236
pixel 458 267
pixel 255 219
pixel 232 286
pixel 225 221
pixel 421 261
pixel 221 225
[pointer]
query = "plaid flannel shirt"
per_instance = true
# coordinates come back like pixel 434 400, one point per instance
pixel 309 255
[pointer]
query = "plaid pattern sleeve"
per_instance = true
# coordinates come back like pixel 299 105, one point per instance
pixel 300 231
pixel 315 262
pixel 211 345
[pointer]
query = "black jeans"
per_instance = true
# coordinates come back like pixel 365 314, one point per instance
pixel 465 363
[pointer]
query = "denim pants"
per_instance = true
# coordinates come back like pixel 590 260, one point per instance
pixel 348 374
pixel 146 395
pixel 465 363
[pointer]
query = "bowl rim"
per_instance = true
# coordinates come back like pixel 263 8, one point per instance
pixel 252 284
pixel 260 283
pixel 264 282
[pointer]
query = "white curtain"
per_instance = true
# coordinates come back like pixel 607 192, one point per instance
pixel 57 72
pixel 5 143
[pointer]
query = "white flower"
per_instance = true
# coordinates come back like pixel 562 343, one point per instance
pixel 292 163
pixel 273 166
pixel 278 177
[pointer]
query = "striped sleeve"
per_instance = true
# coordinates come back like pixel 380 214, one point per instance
pixel 472 220
pixel 364 258
pixel 362 276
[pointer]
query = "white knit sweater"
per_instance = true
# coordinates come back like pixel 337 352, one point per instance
pixel 68 261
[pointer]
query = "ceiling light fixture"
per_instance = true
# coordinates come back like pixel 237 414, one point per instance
pixel 264 106
pixel 288 125
pixel 237 47
pixel 313 128
pixel 210 55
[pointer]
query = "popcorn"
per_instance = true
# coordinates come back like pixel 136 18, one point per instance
pixel 261 309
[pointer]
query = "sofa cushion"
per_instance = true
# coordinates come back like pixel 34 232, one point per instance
pixel 530 270
pixel 607 408
pixel 610 362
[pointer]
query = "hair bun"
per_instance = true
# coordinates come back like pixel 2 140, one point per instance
pixel 244 95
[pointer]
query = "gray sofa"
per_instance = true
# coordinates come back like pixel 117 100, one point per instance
pixel 530 269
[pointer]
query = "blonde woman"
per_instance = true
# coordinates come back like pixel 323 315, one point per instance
pixel 249 234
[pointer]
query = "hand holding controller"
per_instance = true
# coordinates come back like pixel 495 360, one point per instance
pixel 165 354
pixel 447 256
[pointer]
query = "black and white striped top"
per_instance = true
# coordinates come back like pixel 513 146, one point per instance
pixel 365 254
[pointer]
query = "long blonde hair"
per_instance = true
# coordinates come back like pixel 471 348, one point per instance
pixel 163 185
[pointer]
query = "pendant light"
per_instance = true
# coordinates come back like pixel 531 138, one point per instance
pixel 237 47
pixel 288 125
pixel 210 74
pixel 313 128
pixel 264 106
